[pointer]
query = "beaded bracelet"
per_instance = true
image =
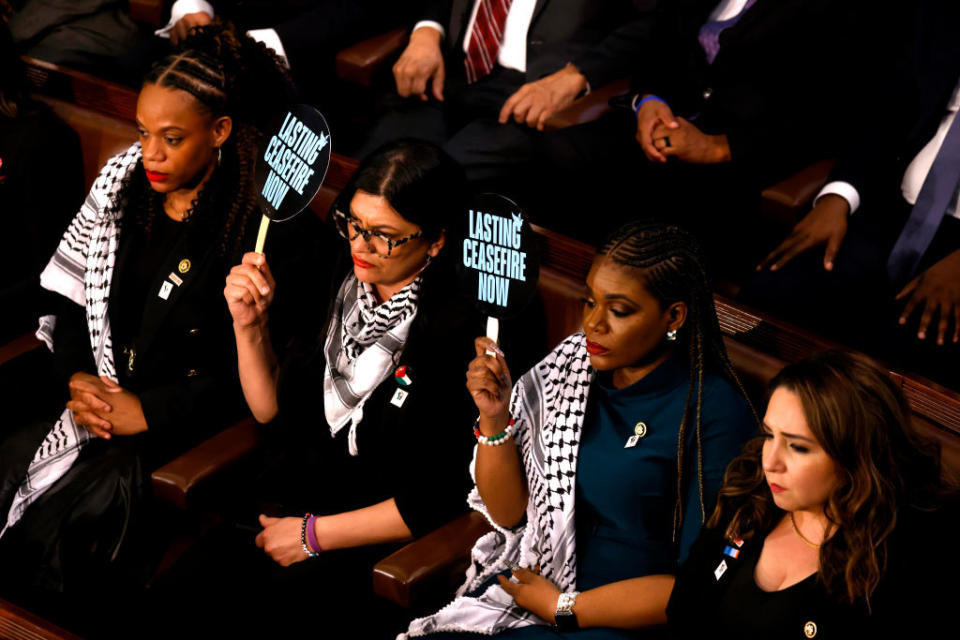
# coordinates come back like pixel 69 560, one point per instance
pixel 303 537
pixel 496 440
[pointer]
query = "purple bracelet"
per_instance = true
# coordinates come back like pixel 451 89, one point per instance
pixel 312 535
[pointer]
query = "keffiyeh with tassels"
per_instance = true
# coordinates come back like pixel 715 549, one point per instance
pixel 81 269
pixel 548 406
pixel 363 342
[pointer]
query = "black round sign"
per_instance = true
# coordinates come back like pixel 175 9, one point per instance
pixel 293 163
pixel 499 262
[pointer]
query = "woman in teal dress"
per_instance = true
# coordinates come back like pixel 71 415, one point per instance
pixel 597 470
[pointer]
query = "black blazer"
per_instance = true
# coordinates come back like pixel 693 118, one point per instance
pixel 185 367
pixel 600 38
pixel 917 75
pixel 780 88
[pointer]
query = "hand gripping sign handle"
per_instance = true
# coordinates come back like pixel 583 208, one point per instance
pixel 493 332
pixel 262 234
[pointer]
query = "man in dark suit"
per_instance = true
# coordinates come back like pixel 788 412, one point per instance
pixel 306 34
pixel 482 76
pixel 728 101
pixel 841 270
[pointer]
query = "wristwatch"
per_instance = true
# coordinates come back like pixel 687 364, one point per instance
pixel 566 619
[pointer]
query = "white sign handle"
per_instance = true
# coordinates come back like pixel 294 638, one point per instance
pixel 493 332
pixel 262 234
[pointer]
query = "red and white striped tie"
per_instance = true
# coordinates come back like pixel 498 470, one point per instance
pixel 485 38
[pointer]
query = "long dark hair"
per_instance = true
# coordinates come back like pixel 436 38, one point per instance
pixel 673 269
pixel 229 74
pixel 862 420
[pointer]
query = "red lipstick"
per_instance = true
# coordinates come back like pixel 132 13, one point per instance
pixel 154 176
pixel 361 263
pixel 775 488
pixel 596 349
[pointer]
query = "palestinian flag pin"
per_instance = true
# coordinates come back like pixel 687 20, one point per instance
pixel 402 376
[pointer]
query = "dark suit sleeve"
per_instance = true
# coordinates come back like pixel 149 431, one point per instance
pixel 71 343
pixel 205 401
pixel 617 54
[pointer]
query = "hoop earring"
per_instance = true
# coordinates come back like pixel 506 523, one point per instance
pixel 672 335
pixel 219 155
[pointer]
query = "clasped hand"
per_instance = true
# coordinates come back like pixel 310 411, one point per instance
pixel 662 135
pixel 533 592
pixel 103 407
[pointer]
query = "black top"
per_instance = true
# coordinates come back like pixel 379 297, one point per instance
pixel 417 453
pixel 184 370
pixel 716 595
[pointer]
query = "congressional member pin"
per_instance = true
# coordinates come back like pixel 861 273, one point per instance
pixel 184 266
pixel 810 629
pixel 639 431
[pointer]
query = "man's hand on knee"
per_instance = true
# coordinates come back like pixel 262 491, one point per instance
pixel 421 64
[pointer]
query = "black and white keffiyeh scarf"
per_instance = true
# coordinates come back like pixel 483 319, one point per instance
pixel 81 269
pixel 548 406
pixel 363 342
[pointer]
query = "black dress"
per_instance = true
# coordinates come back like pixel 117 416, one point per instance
pixel 716 595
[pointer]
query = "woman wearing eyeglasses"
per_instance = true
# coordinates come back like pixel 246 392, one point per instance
pixel 365 407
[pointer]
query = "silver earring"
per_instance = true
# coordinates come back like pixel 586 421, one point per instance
pixel 672 335
pixel 219 155
pixel 429 258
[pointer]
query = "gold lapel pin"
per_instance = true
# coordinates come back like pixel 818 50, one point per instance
pixel 184 266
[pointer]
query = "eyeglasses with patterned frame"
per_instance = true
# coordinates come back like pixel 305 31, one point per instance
pixel 378 243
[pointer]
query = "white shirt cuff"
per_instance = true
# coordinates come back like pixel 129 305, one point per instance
pixel 843 189
pixel 270 38
pixel 432 24
pixel 181 8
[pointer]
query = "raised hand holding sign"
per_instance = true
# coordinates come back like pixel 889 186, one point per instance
pixel 292 166
pixel 499 263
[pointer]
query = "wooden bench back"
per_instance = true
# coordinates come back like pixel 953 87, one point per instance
pixel 102 113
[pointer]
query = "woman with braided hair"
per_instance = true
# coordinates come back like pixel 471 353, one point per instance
pixel 597 471
pixel 143 353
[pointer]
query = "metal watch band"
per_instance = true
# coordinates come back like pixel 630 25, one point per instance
pixel 566 619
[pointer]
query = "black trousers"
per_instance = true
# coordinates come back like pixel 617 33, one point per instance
pixel 465 125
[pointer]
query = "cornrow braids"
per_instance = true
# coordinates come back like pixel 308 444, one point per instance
pixel 674 270
pixel 229 74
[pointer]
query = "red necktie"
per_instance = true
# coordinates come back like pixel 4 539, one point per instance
pixel 485 38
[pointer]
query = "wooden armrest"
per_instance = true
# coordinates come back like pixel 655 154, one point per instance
pixel 360 62
pixel 785 201
pixel 19 623
pixel 589 107
pixel 431 565
pixel 173 481
pixel 18 347
pixel 148 11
